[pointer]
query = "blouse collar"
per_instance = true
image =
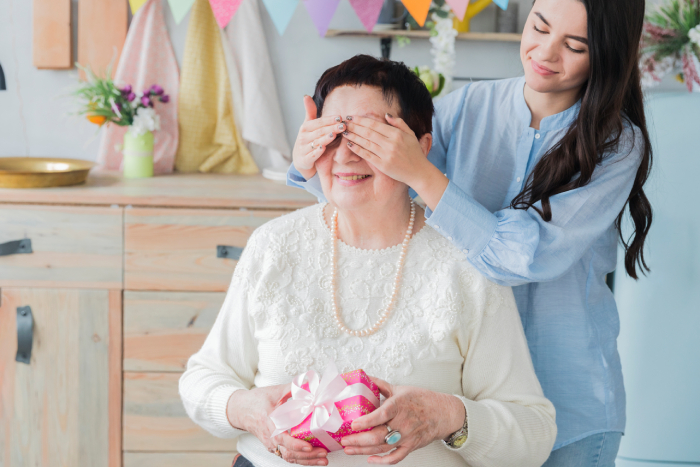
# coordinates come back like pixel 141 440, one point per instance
pixel 553 122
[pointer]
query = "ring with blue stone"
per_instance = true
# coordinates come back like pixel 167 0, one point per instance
pixel 393 436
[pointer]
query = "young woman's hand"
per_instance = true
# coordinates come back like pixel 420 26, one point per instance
pixel 420 415
pixel 314 136
pixel 392 148
pixel 250 410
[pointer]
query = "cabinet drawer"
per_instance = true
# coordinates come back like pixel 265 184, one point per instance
pixel 179 459
pixel 71 246
pixel 176 249
pixel 155 421
pixel 163 329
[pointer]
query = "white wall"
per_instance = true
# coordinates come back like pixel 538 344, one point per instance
pixel 35 114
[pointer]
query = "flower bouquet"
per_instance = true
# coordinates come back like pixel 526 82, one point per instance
pixel 671 42
pixel 103 102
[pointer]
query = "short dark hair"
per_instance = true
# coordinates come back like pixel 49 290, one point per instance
pixel 395 80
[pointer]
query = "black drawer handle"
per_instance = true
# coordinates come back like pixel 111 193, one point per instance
pixel 25 332
pixel 230 252
pixel 16 247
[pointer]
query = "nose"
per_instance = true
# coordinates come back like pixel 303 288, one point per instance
pixel 548 50
pixel 344 155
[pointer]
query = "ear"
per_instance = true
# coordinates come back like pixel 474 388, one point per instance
pixel 426 142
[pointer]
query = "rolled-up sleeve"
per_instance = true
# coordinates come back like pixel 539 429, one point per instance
pixel 516 246
pixel 312 185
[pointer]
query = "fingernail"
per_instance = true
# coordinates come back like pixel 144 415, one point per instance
pixel 341 126
pixel 349 144
pixel 331 135
pixel 345 133
pixel 320 147
pixel 321 454
pixel 337 119
pixel 389 115
pixel 306 449
pixel 349 451
pixel 348 118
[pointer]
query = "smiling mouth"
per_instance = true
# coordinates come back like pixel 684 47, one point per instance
pixel 353 177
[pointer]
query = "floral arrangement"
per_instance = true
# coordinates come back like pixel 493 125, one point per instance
pixel 671 42
pixel 103 102
pixel 434 81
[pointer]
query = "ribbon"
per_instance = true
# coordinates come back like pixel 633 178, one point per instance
pixel 319 402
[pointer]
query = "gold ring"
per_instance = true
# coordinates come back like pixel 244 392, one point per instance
pixel 278 453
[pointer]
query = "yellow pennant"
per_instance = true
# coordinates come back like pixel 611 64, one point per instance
pixel 418 9
pixel 136 5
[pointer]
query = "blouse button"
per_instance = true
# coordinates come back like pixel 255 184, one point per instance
pixel 537 136
pixel 518 179
pixel 449 238
pixel 437 227
pixel 466 252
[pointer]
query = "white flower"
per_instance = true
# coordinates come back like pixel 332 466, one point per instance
pixel 443 50
pixel 146 119
pixel 694 35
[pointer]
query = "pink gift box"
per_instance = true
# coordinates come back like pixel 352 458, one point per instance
pixel 349 409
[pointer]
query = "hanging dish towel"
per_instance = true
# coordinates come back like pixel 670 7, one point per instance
pixel 209 139
pixel 147 59
pixel 260 114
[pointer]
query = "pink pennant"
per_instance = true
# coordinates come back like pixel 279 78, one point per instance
pixel 459 7
pixel 368 11
pixel 224 10
pixel 321 12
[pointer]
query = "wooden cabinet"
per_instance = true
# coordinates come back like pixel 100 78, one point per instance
pixel 125 280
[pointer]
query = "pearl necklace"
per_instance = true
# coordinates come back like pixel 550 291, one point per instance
pixel 334 282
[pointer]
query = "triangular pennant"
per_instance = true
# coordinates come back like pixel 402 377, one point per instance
pixel 368 11
pixel 503 4
pixel 180 8
pixel 281 11
pixel 321 12
pixel 418 9
pixel 459 8
pixel 224 10
pixel 135 5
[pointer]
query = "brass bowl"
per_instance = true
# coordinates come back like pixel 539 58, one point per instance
pixel 42 172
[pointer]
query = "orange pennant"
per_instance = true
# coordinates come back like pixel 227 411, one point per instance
pixel 418 9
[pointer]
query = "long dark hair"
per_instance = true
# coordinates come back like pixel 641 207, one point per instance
pixel 611 95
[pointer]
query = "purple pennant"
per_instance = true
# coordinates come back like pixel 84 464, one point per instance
pixel 368 11
pixel 321 12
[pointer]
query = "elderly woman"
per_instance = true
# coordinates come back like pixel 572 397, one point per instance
pixel 364 281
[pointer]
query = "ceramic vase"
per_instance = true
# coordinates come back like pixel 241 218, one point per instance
pixel 138 155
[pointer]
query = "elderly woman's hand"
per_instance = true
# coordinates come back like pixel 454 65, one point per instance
pixel 420 415
pixel 250 410
pixel 314 137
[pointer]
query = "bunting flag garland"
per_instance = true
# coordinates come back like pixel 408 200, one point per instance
pixel 418 9
pixel 136 5
pixel 459 8
pixel 209 138
pixel 281 11
pixel 147 58
pixel 180 8
pixel 224 10
pixel 503 4
pixel 321 12
pixel 368 11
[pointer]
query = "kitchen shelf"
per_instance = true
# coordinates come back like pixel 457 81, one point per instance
pixel 391 33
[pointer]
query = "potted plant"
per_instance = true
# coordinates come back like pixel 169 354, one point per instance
pixel 671 43
pixel 102 102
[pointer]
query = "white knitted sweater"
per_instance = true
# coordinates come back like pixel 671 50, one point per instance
pixel 451 331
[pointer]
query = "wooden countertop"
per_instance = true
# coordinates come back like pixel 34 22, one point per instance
pixel 173 190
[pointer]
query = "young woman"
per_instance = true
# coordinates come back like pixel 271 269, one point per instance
pixel 530 178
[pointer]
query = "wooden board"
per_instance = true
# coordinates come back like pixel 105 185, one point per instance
pixel 179 459
pixel 175 249
pixel 72 246
pixel 115 355
pixel 102 26
pixel 55 411
pixel 155 420
pixel 174 190
pixel 52 34
pixel 423 34
pixel 163 329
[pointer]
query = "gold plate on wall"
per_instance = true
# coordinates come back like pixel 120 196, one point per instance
pixel 41 172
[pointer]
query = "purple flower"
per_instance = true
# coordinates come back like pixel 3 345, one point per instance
pixel 165 98
pixel 126 90
pixel 131 97
pixel 156 90
pixel 116 108
pixel 146 101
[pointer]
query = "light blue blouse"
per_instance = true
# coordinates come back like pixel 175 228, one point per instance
pixel 484 144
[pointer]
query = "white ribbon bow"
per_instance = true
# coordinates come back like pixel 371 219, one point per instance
pixel 320 401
